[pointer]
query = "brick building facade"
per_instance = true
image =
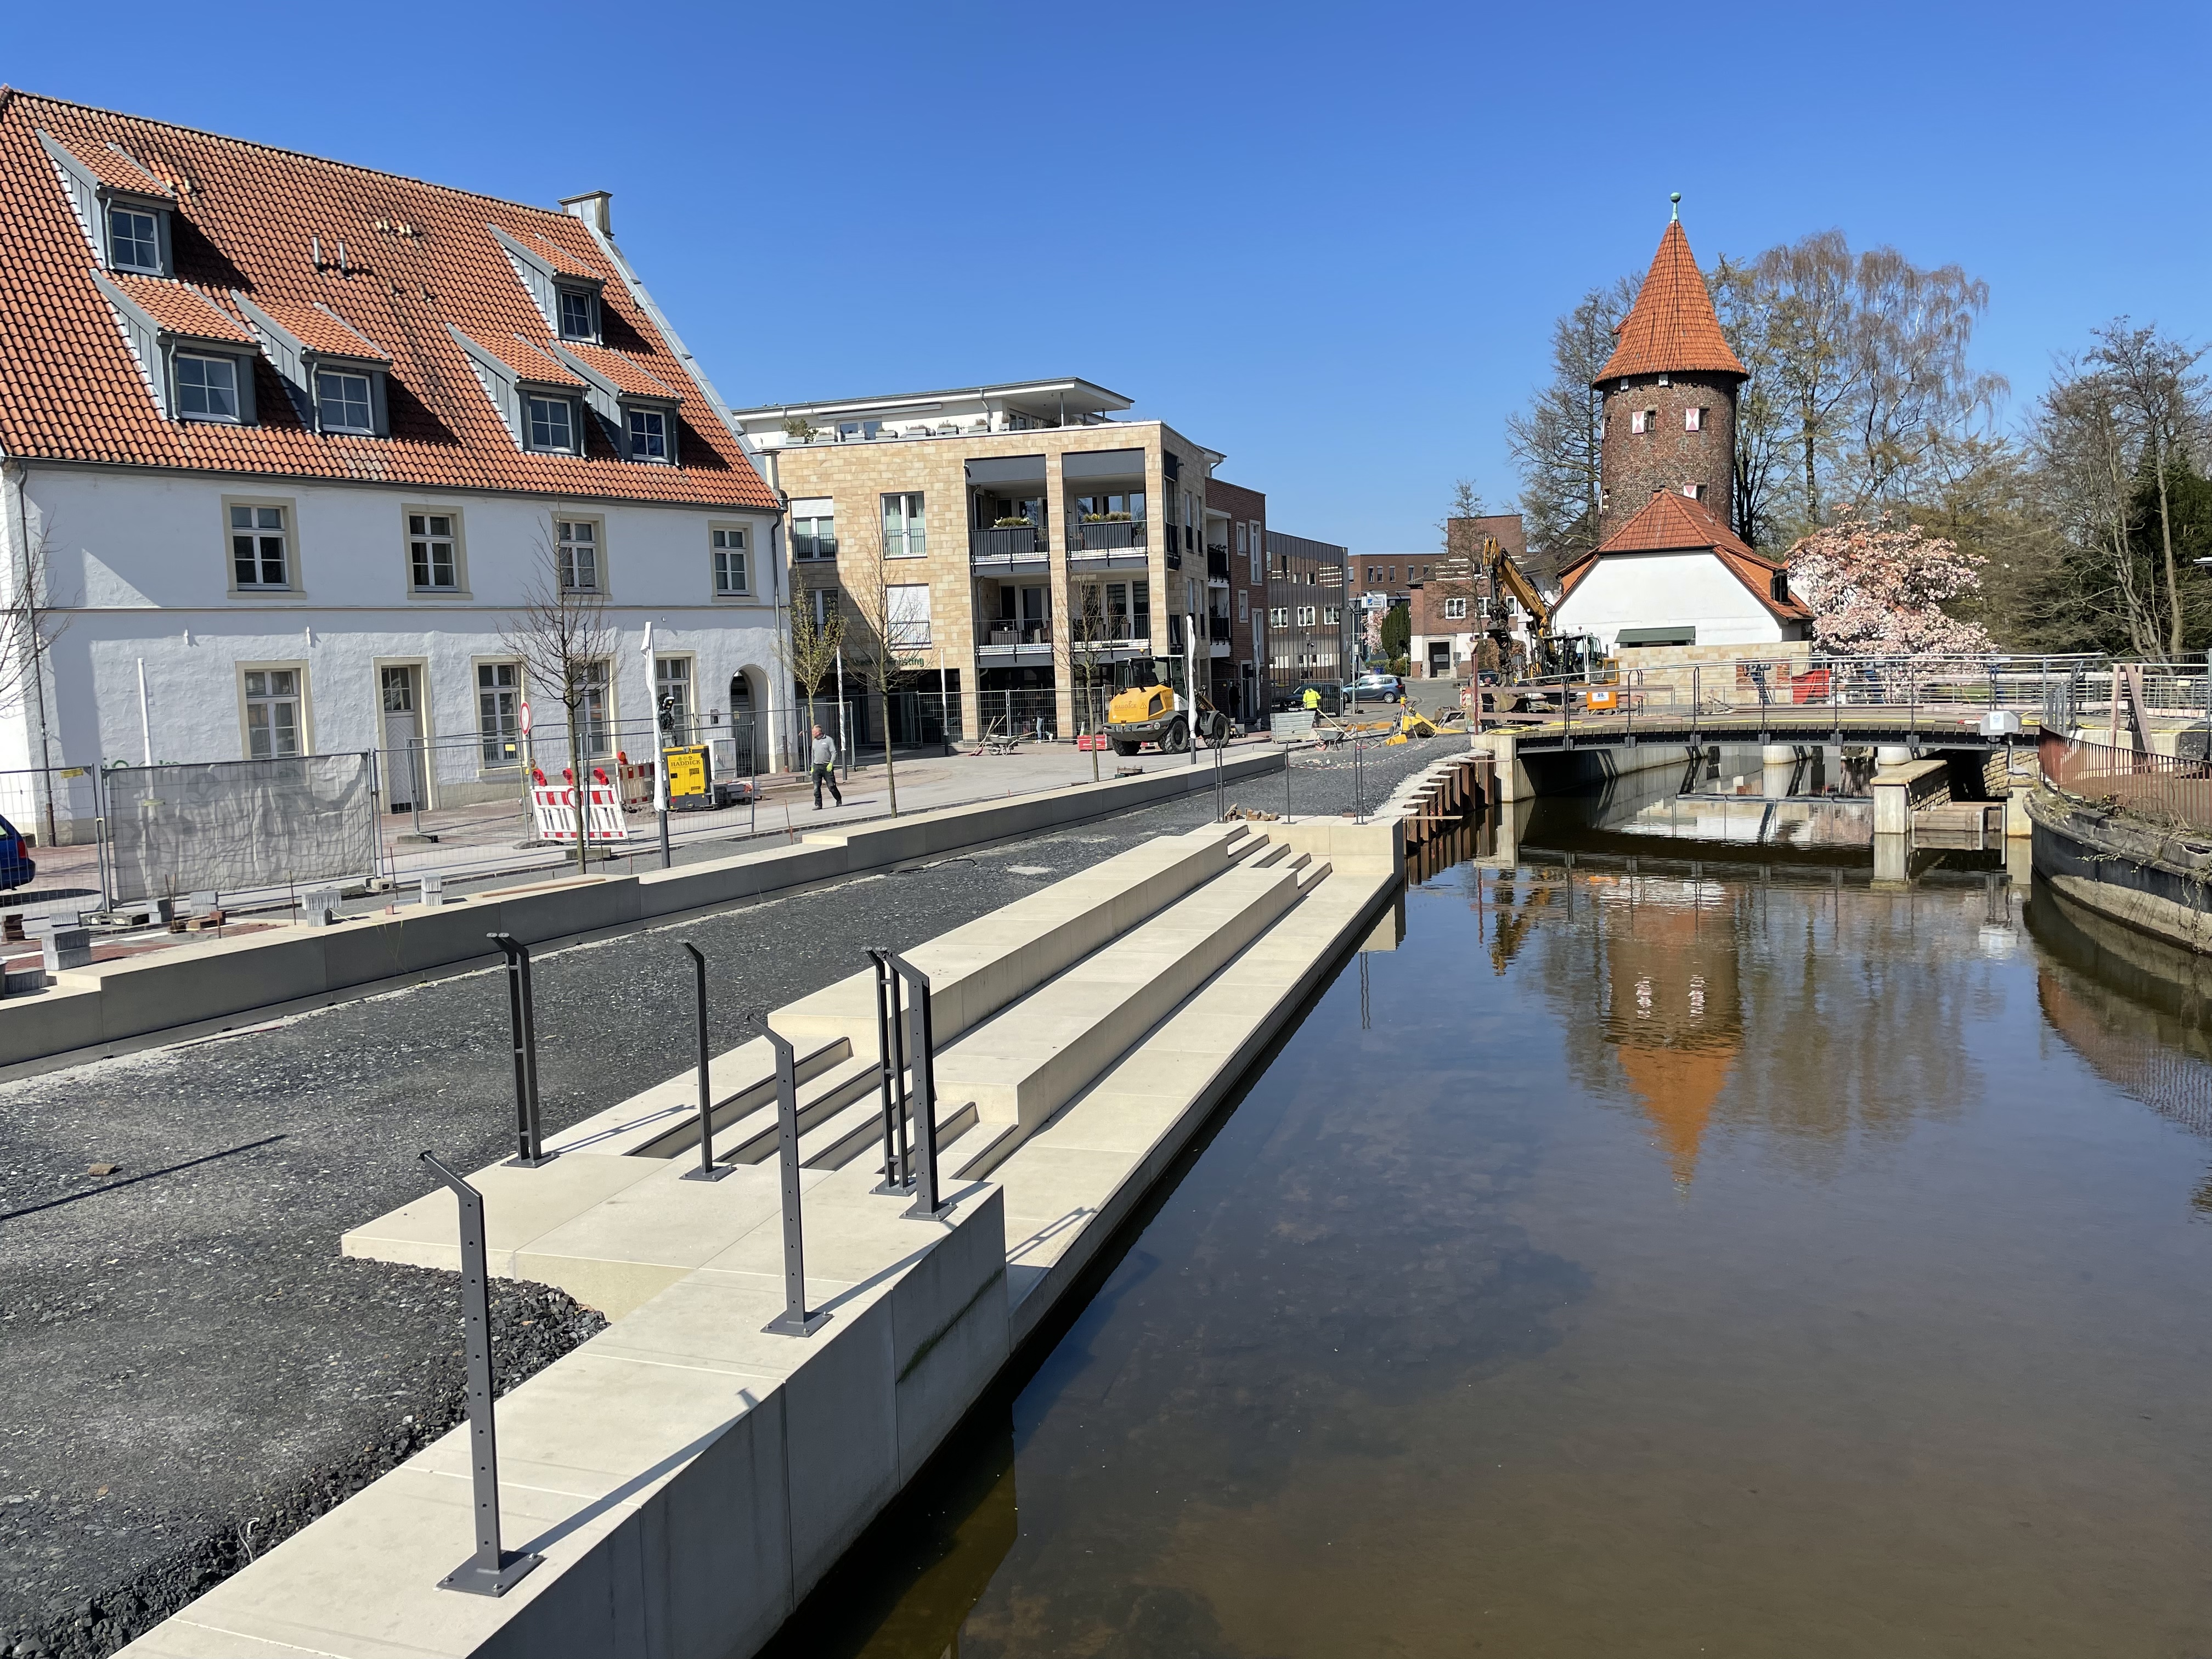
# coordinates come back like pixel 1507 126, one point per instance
pixel 1669 393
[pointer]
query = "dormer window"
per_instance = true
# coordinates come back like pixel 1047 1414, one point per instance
pixel 648 434
pixel 343 403
pixel 550 424
pixel 207 388
pixel 579 315
pixel 134 240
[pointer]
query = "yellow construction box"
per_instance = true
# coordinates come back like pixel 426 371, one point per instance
pixel 690 778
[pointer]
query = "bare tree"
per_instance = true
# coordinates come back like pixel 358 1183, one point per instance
pixel 887 641
pixel 810 644
pixel 1559 439
pixel 30 622
pixel 1083 630
pixel 1738 303
pixel 562 641
pixel 2154 381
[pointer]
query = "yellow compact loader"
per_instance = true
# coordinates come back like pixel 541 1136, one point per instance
pixel 1156 713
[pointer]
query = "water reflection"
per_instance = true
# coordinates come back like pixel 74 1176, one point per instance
pixel 1703 1257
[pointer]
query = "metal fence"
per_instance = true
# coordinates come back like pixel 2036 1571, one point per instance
pixel 2160 787
pixel 230 826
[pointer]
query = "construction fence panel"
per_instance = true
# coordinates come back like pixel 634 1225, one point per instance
pixel 238 826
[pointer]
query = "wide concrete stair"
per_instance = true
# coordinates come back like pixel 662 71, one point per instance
pixel 689 1477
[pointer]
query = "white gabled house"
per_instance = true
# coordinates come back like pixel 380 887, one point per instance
pixel 1675 576
pixel 292 439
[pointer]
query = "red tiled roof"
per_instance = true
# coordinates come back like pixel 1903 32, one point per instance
pixel 69 389
pixel 1672 523
pixel 627 375
pixel 530 362
pixel 321 329
pixel 1671 329
pixel 116 167
pixel 181 308
pixel 560 258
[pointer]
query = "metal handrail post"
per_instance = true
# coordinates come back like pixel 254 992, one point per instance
pixel 794 1319
pixel 522 1013
pixel 890 1059
pixel 491 1570
pixel 920 1044
pixel 708 1170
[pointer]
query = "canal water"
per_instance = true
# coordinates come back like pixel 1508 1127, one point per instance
pixel 1689 1252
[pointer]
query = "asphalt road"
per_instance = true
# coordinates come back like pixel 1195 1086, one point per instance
pixel 188 1362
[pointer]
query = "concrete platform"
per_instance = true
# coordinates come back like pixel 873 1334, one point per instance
pixel 688 1477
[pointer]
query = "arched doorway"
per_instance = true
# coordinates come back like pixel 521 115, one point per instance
pixel 748 731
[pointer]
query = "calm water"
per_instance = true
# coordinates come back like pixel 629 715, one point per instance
pixel 1743 1263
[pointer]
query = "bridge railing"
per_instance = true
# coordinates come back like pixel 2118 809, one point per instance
pixel 2167 788
pixel 1938 691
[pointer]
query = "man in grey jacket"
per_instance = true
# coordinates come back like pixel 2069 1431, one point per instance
pixel 825 768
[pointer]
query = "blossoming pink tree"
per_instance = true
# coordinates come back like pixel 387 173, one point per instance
pixel 1877 590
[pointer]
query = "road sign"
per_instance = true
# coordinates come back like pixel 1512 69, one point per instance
pixel 523 719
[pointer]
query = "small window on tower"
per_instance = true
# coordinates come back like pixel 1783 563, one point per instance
pixel 1693 420
pixel 1696 492
pixel 1640 421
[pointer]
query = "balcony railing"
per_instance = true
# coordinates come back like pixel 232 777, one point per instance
pixel 1104 535
pixel 1023 541
pixel 1217 627
pixel 1004 634
pixel 1217 564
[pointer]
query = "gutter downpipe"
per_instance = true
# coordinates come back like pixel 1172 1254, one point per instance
pixel 17 475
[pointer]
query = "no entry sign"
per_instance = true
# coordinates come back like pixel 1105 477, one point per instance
pixel 523 718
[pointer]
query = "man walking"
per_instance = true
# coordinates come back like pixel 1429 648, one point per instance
pixel 825 768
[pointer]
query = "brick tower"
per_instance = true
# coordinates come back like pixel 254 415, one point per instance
pixel 1668 392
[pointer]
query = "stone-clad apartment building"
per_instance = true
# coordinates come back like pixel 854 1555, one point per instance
pixel 997 514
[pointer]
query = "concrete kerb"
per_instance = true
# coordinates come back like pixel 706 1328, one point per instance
pixel 195 989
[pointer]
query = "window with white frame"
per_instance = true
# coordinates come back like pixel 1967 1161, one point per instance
pixel 1278 617
pixel 551 425
pixel 577 549
pixel 648 434
pixel 432 563
pixel 343 403
pixel 1243 540
pixel 1693 420
pixel 580 318
pixel 904 535
pixel 260 546
pixel 272 713
pixel 207 387
pixel 1243 603
pixel 907 609
pixel 134 240
pixel 671 695
pixel 1454 609
pixel 1305 616
pixel 729 550
pixel 499 712
pixel 813 528
pixel 1331 615
pixel 1259 549
pixel 595 713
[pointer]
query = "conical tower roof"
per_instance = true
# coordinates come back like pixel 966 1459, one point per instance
pixel 1671 329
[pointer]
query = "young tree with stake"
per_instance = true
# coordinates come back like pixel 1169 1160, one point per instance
pixel 561 638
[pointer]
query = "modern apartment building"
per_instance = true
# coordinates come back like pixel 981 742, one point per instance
pixel 1310 614
pixel 289 443
pixel 1034 550
pixel 1236 598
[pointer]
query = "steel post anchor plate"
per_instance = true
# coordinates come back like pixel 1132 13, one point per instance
pixel 522 1162
pixel 784 1325
pixel 472 1578
pixel 720 1171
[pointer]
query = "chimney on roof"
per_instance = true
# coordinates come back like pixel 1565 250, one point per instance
pixel 593 207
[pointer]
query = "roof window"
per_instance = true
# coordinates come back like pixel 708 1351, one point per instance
pixel 579 314
pixel 207 388
pixel 134 240
pixel 124 208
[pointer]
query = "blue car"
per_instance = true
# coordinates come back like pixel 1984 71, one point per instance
pixel 16 869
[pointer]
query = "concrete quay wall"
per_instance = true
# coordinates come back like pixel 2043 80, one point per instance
pixel 2149 879
pixel 208 985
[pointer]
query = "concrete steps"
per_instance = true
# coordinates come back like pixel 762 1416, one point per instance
pixel 663 1121
pixel 1023 1065
pixel 828 1096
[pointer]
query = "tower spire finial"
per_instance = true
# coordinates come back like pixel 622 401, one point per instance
pixel 1675 216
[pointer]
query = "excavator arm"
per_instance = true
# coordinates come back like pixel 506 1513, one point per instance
pixel 1498 563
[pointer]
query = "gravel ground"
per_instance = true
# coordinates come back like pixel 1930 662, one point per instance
pixel 191 1370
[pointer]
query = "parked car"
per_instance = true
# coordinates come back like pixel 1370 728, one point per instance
pixel 16 867
pixel 1378 687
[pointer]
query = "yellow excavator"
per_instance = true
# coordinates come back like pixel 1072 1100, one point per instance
pixel 1553 653
pixel 1157 714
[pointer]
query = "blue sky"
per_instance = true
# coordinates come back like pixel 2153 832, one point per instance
pixel 1326 240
